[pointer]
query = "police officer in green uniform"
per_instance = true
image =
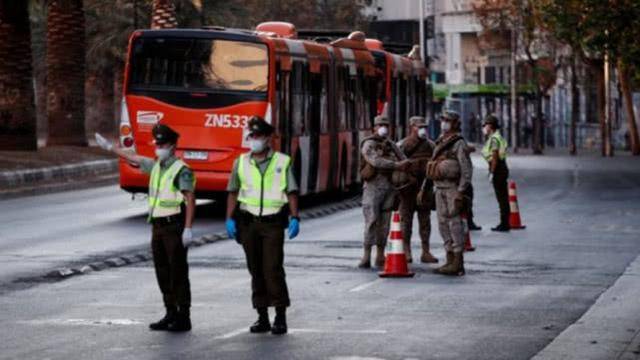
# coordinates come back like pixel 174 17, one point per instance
pixel 171 212
pixel 495 152
pixel 262 194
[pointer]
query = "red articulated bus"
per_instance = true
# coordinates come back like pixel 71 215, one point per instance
pixel 320 97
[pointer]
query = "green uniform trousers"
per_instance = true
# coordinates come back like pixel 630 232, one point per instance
pixel 170 261
pixel 263 244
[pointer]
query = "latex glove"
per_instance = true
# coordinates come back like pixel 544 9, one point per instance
pixel 104 143
pixel 491 177
pixel 231 228
pixel 187 236
pixel 294 228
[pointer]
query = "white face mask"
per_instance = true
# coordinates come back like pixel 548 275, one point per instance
pixel 485 130
pixel 164 153
pixel 422 133
pixel 257 145
pixel 383 131
pixel 445 126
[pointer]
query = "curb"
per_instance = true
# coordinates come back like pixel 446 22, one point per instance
pixel 143 256
pixel 17 178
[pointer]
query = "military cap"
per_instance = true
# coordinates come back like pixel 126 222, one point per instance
pixel 418 121
pixel 257 126
pixel 381 120
pixel 162 134
pixel 492 120
pixel 450 115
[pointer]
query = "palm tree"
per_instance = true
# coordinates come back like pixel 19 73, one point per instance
pixel 65 72
pixel 17 109
pixel 163 15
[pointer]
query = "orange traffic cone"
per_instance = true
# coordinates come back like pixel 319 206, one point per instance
pixel 395 263
pixel 514 216
pixel 467 236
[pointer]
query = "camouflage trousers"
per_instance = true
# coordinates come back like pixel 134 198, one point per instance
pixel 409 207
pixel 378 200
pixel 449 220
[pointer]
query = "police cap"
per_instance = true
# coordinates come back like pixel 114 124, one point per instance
pixel 257 126
pixel 162 134
pixel 381 120
pixel 492 120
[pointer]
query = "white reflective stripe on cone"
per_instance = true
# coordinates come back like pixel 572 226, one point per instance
pixel 395 247
pixel 513 206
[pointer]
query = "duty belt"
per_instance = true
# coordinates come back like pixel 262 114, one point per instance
pixel 166 220
pixel 268 219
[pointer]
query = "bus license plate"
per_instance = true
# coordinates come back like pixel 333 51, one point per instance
pixel 195 155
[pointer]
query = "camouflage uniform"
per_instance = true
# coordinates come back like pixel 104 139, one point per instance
pixel 455 170
pixel 378 194
pixel 419 151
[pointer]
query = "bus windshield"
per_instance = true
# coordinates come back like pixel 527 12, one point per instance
pixel 188 64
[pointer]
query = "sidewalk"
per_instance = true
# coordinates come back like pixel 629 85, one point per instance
pixel 610 329
pixel 55 168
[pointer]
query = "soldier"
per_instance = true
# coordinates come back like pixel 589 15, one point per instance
pixel 257 216
pixel 379 158
pixel 495 152
pixel 418 148
pixel 450 170
pixel 171 210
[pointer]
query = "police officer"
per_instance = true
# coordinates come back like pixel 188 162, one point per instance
pixel 451 170
pixel 379 158
pixel 261 186
pixel 171 211
pixel 418 148
pixel 495 152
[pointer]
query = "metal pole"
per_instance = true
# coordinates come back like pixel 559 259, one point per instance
pixel 135 14
pixel 421 26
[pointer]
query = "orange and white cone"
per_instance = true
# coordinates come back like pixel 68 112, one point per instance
pixel 514 213
pixel 467 235
pixel 395 263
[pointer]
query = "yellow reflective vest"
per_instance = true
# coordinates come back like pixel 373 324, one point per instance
pixel 502 146
pixel 263 194
pixel 164 197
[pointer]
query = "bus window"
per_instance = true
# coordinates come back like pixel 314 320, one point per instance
pixel 324 104
pixel 298 98
pixel 283 93
pixel 198 64
pixel 314 87
pixel 350 95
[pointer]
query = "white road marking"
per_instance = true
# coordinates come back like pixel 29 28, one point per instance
pixel 243 330
pixel 83 322
pixel 354 358
pixel 335 331
pixel 365 285
pixel 234 333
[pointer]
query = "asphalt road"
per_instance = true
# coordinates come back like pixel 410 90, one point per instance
pixel 521 290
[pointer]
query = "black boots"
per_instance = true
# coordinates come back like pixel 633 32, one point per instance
pixel 280 322
pixel 176 320
pixel 473 226
pixel 262 325
pixel 163 323
pixel 501 228
pixel 181 322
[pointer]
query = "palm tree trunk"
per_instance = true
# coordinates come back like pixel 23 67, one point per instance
pixel 163 15
pixel 17 108
pixel 65 72
pixel 99 92
pixel 623 73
